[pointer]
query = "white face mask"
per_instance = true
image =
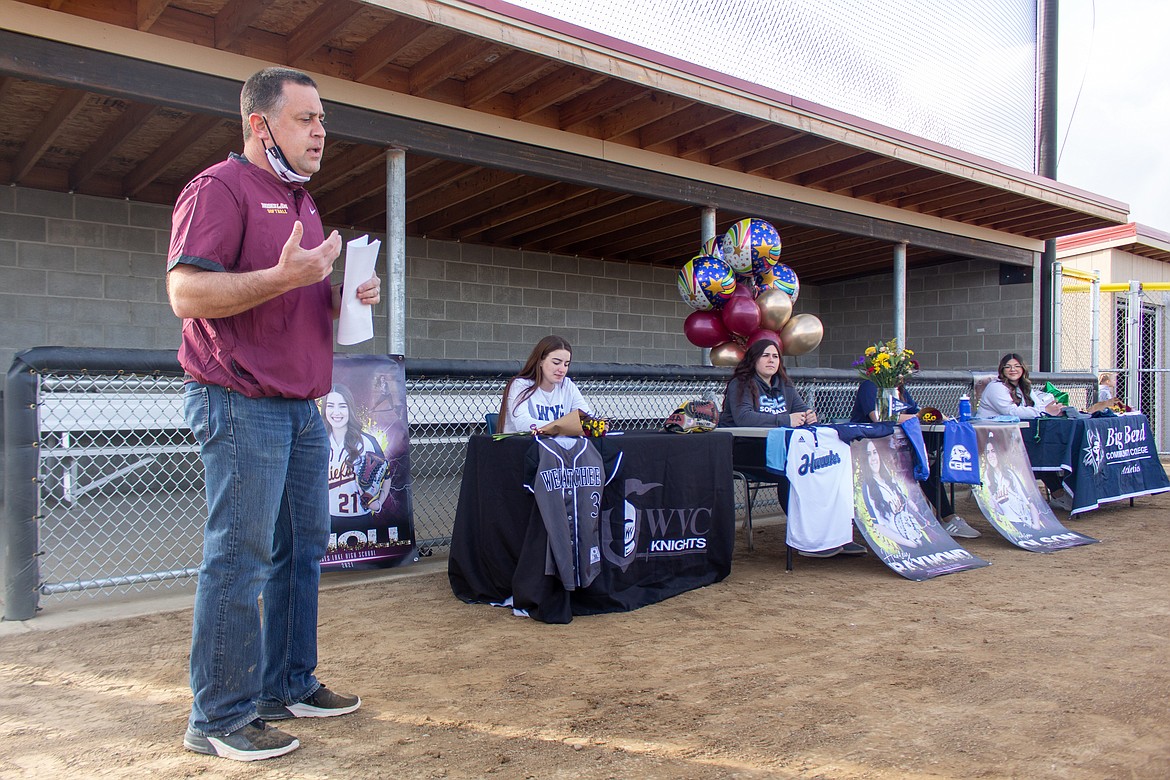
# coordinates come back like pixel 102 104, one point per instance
pixel 278 161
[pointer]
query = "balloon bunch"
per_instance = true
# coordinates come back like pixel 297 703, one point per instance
pixel 742 293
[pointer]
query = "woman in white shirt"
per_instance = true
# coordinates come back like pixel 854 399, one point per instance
pixel 1012 394
pixel 348 445
pixel 542 392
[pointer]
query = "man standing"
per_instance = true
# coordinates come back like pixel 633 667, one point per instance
pixel 248 271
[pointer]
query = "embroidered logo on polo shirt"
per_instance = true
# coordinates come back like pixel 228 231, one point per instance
pixel 275 208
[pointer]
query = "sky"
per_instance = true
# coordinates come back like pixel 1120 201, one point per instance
pixel 1115 144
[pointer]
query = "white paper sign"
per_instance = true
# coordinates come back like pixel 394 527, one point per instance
pixel 356 323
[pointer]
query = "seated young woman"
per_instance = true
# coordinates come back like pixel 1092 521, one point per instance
pixel 1011 394
pixel 760 395
pixel 542 392
pixel 865 410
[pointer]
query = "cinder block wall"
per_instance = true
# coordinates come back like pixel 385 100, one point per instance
pixel 83 271
pixel 958 315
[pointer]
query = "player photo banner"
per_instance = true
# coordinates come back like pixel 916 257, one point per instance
pixel 1009 498
pixel 894 516
pixel 370 507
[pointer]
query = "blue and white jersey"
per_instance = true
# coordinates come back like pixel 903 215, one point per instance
pixel 820 496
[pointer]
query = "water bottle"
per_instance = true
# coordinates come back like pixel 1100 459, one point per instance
pixel 964 408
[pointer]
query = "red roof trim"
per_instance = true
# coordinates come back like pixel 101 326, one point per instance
pixel 616 44
pixel 1101 236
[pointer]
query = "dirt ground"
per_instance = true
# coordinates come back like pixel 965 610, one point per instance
pixel 1039 666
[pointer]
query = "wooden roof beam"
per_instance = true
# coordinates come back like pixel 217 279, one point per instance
pixel 68 103
pixel 547 222
pixel 897 181
pixel 315 32
pixel 846 182
pixel 558 86
pixel 468 187
pixel 487 203
pixel 442 63
pixel 521 217
pixel 802 163
pixel 135 115
pixel 341 166
pixel 642 112
pixel 767 156
pixel 649 230
pixel 1033 221
pixel 533 201
pixel 604 221
pixel 234 18
pixel 435 176
pixel 148 11
pixel 730 127
pixel 990 205
pixel 386 44
pixel 959 191
pixel 856 161
pixel 611 96
pixel 353 191
pixel 511 69
pixel 153 166
pixel 929 181
pixel 669 128
pixel 746 144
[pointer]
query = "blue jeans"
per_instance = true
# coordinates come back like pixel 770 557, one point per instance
pixel 266 466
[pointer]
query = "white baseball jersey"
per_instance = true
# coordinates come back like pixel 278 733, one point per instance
pixel 344 493
pixel 820 500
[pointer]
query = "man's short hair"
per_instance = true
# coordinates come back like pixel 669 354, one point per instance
pixel 263 92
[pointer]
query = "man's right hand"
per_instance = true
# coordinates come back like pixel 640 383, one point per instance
pixel 302 267
pixel 196 293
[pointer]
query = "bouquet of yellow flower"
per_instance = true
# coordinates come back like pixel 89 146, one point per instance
pixel 886 365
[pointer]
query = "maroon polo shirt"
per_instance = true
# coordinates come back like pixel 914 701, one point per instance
pixel 232 218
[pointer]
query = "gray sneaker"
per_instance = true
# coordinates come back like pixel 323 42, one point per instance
pixel 958 527
pixel 324 703
pixel 1062 501
pixel 829 553
pixel 252 742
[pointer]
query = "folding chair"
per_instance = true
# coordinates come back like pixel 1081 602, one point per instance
pixel 752 482
pixel 490 420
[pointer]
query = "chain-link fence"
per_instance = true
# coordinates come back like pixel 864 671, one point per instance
pixel 1118 329
pixel 105 486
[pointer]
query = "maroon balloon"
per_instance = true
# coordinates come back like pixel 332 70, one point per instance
pixel 764 333
pixel 744 290
pixel 741 316
pixel 705 329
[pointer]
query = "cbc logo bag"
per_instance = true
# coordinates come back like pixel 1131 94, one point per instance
pixel 693 417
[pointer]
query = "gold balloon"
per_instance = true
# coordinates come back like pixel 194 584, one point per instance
pixel 801 334
pixel 775 308
pixel 728 353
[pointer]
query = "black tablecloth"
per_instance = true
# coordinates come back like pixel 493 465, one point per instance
pixel 1103 458
pixel 676 487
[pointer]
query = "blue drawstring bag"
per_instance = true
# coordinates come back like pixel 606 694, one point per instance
pixel 959 459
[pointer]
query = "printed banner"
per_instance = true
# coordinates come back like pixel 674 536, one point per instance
pixel 1009 498
pixel 894 516
pixel 1117 460
pixel 369 464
